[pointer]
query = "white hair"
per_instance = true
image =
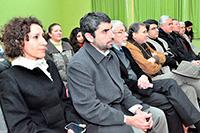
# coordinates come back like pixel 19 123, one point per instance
pixel 182 23
pixel 163 19
pixel 116 23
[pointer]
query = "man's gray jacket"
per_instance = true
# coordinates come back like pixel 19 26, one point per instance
pixel 98 93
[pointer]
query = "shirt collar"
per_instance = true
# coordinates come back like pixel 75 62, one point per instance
pixel 31 64
pixel 102 52
pixel 96 54
pixel 116 47
pixel 52 41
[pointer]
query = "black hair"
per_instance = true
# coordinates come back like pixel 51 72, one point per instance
pixel 73 38
pixel 90 22
pixel 190 34
pixel 134 28
pixel 149 22
pixel 47 37
pixel 188 23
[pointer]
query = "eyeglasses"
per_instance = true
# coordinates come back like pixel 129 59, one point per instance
pixel 119 32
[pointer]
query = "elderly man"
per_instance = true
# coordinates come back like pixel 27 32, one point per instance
pixel 161 45
pixel 168 31
pixel 165 94
pixel 150 61
pixel 97 90
pixel 182 34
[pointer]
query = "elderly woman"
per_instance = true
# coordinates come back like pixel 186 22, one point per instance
pixel 33 96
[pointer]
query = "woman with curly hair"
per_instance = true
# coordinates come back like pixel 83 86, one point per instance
pixel 33 97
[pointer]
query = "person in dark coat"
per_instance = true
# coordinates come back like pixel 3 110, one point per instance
pixel 164 94
pixel 180 50
pixel 98 92
pixel 32 94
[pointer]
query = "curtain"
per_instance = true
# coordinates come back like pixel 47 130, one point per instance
pixel 115 9
pixel 129 11
pixel 191 12
pixel 181 10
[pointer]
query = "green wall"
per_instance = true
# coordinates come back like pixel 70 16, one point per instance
pixel 65 12
pixel 72 11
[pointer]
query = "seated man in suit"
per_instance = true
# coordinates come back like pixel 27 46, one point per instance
pixel 180 48
pixel 164 94
pixel 98 92
pixel 160 45
pixel 151 61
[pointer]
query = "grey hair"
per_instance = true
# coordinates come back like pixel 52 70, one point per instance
pixel 116 23
pixel 163 19
pixel 182 23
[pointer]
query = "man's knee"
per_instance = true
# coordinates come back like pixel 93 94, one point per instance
pixel 158 114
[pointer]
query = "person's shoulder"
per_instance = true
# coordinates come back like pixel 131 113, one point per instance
pixel 79 55
pixel 9 73
pixel 50 63
pixel 67 45
pixel 80 59
pixel 4 64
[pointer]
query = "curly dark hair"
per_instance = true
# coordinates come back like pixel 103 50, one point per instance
pixel 14 33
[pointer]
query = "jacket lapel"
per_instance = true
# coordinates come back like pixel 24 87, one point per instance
pixel 113 70
pixel 124 72
pixel 110 63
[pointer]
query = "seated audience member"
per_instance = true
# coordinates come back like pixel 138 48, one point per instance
pixel 97 90
pixel 60 52
pixel 182 33
pixel 164 94
pixel 186 47
pixel 181 50
pixel 76 39
pixel 151 61
pixel 32 96
pixel 159 44
pixel 188 30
